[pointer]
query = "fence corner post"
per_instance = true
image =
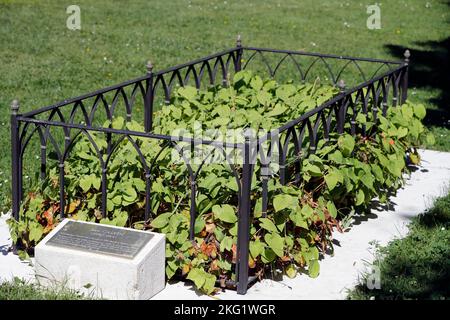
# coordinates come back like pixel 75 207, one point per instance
pixel 16 163
pixel 244 218
pixel 341 112
pixel 238 66
pixel 405 80
pixel 148 99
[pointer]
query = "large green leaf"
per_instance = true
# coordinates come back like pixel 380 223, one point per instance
pixel 307 211
pixel 298 219
pixel 36 232
pixel 277 110
pixel 360 197
pixel 313 170
pixel 256 83
pixel 197 275
pixel 226 244
pixel 188 92
pixel 283 201
pixel 225 213
pixel 256 248
pixel 419 111
pixel 332 209
pixel 367 180
pixel 333 177
pixel 267 224
pixel 264 98
pixel 336 157
pixel 268 255
pixel 346 144
pixel 199 224
pixel 85 183
pixel 161 221
pixel 275 242
pixel 314 268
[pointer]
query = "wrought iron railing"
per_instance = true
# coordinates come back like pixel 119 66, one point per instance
pixel 380 83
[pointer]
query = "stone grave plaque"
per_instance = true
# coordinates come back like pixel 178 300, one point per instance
pixel 102 261
pixel 100 238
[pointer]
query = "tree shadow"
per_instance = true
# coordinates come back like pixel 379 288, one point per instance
pixel 429 69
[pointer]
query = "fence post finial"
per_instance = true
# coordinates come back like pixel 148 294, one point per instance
pixel 404 85
pixel 407 54
pixel 149 67
pixel 238 41
pixel 14 106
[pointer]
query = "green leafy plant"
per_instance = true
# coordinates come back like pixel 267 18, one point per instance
pixel 341 177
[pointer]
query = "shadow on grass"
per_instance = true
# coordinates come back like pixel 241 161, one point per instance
pixel 418 266
pixel 429 69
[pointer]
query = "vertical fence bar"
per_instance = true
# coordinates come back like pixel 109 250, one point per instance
pixel 407 55
pixel 365 108
pixel 62 201
pixel 148 187
pixel 244 221
pixel 282 164
pixel 148 100
pixel 375 104
pixel 341 108
pixel 104 187
pixel 43 168
pixel 16 161
pixel 385 90
pixel 192 208
pixel 395 89
pixel 109 140
pixel 238 66
pixel 265 195
pixel 353 120
pixel 265 173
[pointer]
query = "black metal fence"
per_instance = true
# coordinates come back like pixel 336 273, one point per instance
pixel 377 84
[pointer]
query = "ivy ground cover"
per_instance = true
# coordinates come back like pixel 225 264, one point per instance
pixel 340 179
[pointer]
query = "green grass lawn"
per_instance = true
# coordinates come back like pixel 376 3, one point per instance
pixel 418 266
pixel 42 62
pixel 18 289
